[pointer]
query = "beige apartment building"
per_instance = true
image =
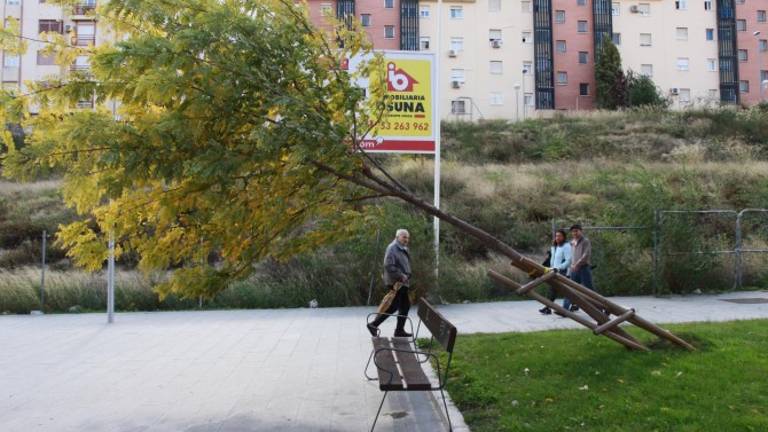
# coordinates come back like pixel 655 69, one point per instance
pixel 35 17
pixel 486 57
pixel 673 42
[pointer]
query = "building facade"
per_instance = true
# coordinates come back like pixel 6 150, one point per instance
pixel 36 17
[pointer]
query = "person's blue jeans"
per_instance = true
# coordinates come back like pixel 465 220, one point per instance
pixel 582 276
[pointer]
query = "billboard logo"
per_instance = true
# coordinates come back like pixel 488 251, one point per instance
pixel 398 80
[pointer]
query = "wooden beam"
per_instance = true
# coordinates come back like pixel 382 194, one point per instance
pixel 614 322
pixel 579 319
pixel 523 290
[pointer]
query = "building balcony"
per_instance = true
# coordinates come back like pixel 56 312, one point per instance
pixel 84 10
pixel 84 40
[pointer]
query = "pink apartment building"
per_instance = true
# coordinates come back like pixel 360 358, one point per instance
pixel 752 42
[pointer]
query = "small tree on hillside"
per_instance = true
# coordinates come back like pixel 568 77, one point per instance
pixel 611 82
pixel 642 91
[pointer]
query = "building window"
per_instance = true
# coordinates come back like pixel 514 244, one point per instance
pixel 45 60
pixel 494 35
pixel 11 61
pixel 644 9
pixel 583 89
pixel 582 26
pixel 685 96
pixel 616 8
pixel 708 5
pixel 527 37
pixel 82 63
pixel 365 20
pixel 714 94
pixel 13 2
pixel 741 25
pixel 389 4
pixel 710 34
pixel 50 26
pixel 583 57
pixel 763 76
pixel 682 33
pixel 711 65
pixel 424 11
pixel 559 16
pixel 581 2
pixel 494 5
pixel 525 6
pixel 562 78
pixel 497 98
pixel 457 12
pixel 527 67
pixel 646 39
pixel 457 44
pixel 389 32
pixel 743 55
pixel 681 4
pixel 86 33
pixel 763 44
pixel 761 16
pixel 616 37
pixel 683 63
pixel 497 67
pixel 744 86
pixel 458 107
pixel 424 43
pixel 646 69
pixel 326 9
pixel 561 46
pixel 457 75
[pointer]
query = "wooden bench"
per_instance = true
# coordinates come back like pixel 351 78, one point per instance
pixel 399 363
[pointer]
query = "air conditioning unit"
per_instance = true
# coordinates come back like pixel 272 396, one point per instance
pixel 634 9
pixel 674 91
pixel 456 84
pixel 496 43
pixel 453 53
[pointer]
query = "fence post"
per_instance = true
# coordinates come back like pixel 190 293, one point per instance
pixel 42 273
pixel 111 281
pixel 737 253
pixel 656 251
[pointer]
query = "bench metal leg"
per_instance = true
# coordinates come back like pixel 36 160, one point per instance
pixel 370 378
pixel 447 416
pixel 379 411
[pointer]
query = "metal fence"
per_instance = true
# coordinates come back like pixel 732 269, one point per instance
pixel 682 249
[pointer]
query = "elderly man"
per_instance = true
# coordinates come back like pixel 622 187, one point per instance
pixel 397 268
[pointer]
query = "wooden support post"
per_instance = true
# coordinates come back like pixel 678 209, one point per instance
pixel 596 314
pixel 614 322
pixel 579 319
pixel 523 290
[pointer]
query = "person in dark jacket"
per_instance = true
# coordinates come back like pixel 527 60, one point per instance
pixel 397 268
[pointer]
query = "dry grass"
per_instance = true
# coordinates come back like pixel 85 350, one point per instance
pixel 9 188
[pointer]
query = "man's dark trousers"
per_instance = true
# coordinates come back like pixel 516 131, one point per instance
pixel 582 276
pixel 401 304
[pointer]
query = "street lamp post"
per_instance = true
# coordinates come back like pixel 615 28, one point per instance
pixel 517 101
pixel 525 107
pixel 760 55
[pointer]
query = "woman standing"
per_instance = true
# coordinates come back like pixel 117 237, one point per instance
pixel 560 260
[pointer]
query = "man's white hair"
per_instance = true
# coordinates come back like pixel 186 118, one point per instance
pixel 402 231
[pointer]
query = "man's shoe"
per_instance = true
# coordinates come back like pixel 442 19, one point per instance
pixel 402 333
pixel 574 308
pixel 373 329
pixel 545 311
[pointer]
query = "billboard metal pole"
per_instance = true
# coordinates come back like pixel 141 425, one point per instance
pixel 111 281
pixel 436 106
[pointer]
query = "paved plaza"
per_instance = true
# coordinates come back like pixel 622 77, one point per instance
pixel 255 370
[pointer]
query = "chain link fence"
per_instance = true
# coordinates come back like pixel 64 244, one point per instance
pixel 682 251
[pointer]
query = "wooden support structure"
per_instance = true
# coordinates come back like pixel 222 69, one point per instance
pixel 597 307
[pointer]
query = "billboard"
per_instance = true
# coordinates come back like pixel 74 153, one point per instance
pixel 409 120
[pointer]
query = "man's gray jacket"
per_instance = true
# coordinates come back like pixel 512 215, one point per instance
pixel 397 262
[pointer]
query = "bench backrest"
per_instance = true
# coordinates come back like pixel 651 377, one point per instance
pixel 442 330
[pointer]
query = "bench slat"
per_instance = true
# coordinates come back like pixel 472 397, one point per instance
pixel 409 376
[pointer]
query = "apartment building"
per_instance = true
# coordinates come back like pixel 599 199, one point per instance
pixel 35 17
pixel 673 42
pixel 486 57
pixel 752 46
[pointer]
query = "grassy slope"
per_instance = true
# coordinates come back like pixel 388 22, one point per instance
pixel 576 381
